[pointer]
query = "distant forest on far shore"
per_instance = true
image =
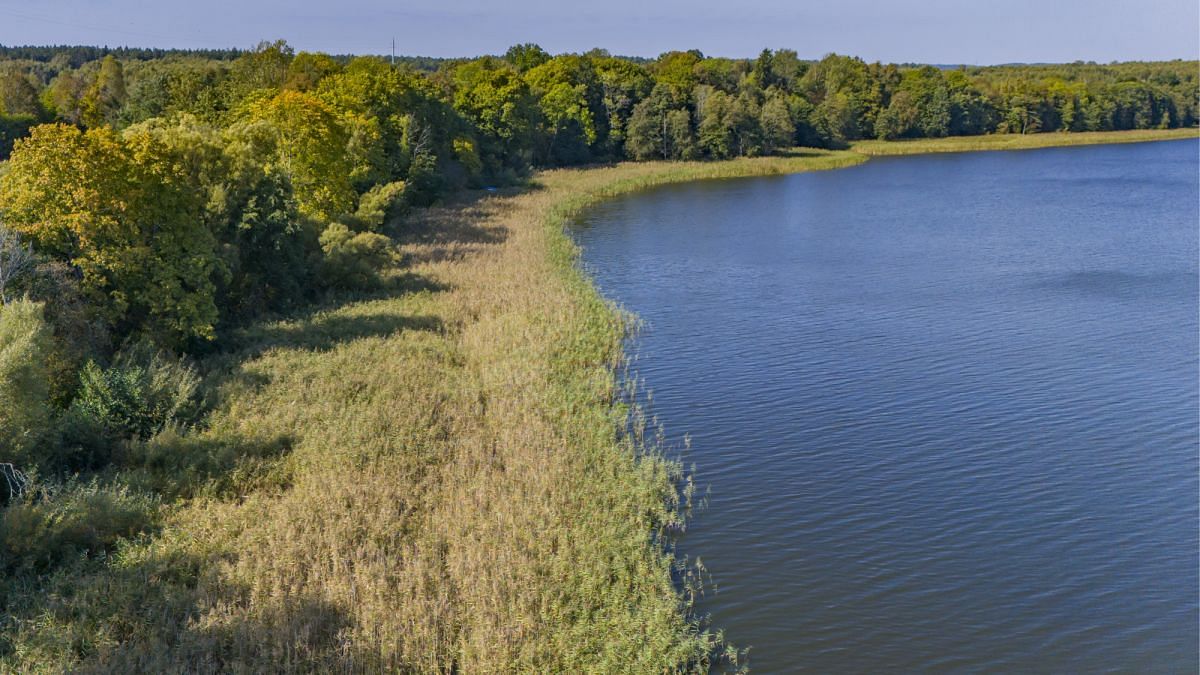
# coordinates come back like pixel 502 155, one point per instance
pixel 531 109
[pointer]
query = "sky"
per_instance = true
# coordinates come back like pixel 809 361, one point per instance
pixel 917 31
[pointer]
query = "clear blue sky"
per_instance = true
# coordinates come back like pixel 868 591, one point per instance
pixel 929 31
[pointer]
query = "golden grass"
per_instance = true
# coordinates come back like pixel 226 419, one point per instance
pixel 1017 141
pixel 445 486
pixel 428 479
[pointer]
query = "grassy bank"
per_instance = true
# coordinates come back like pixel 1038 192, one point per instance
pixel 428 478
pixel 1017 141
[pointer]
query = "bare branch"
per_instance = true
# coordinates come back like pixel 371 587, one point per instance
pixel 16 258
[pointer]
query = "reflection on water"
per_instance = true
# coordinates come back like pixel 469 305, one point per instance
pixel 947 406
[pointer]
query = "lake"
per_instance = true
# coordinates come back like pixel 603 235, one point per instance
pixel 946 406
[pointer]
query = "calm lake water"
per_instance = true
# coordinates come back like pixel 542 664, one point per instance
pixel 947 406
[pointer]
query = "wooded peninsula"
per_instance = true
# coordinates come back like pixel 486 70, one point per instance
pixel 298 371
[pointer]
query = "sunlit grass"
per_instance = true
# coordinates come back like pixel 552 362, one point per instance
pixel 431 478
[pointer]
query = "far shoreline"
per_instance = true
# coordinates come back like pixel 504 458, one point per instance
pixel 1050 139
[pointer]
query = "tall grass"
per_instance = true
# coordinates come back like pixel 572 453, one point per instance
pixel 431 478
pixel 1017 141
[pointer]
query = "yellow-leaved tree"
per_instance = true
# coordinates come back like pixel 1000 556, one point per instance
pixel 126 220
pixel 311 148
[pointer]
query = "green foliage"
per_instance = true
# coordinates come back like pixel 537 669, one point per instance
pixel 80 334
pixel 18 96
pixel 310 145
pixel 172 86
pixel 571 100
pixel 496 100
pixel 54 526
pixel 775 121
pixel 25 346
pixel 124 219
pixel 397 106
pixel 526 56
pixel 353 260
pixel 379 205
pixel 265 69
pixel 12 128
pixel 623 85
pixel 425 182
pixel 104 99
pixel 62 99
pixel 141 393
pixel 307 70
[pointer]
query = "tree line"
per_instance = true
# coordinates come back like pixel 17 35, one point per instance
pixel 151 198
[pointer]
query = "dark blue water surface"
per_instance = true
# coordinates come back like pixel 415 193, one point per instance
pixel 947 405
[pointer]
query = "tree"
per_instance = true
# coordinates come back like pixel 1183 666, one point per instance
pixel 899 120
pixel 623 84
pixel 132 229
pixel 310 144
pixel 763 73
pixel 775 120
pixel 307 70
pixel 846 98
pixel 834 119
pixel 716 136
pixel 681 140
pixel 264 69
pixel 971 112
pixel 494 98
pixel 930 99
pixel 787 69
pixel 646 137
pixel 382 107
pixel 18 96
pixel 676 73
pixel 63 98
pixel 526 56
pixel 103 100
pixel 571 102
pixel 25 341
pixel 265 246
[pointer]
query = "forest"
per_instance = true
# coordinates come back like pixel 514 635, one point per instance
pixel 152 202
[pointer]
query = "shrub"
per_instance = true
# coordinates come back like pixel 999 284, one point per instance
pixel 25 342
pixel 142 392
pixel 424 180
pixel 353 260
pixel 379 205
pixel 51 526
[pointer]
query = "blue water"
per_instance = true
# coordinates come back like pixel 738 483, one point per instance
pixel 946 406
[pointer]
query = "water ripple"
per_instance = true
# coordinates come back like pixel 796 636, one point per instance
pixel 949 422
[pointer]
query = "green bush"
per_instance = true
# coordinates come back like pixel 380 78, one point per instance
pixel 25 416
pixel 353 260
pixel 51 526
pixel 425 182
pixel 141 393
pixel 379 205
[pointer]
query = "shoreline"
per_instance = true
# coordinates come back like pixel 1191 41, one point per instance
pixel 451 489
pixel 924 146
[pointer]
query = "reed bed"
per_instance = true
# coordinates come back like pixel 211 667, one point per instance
pixel 1017 141
pixel 435 478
